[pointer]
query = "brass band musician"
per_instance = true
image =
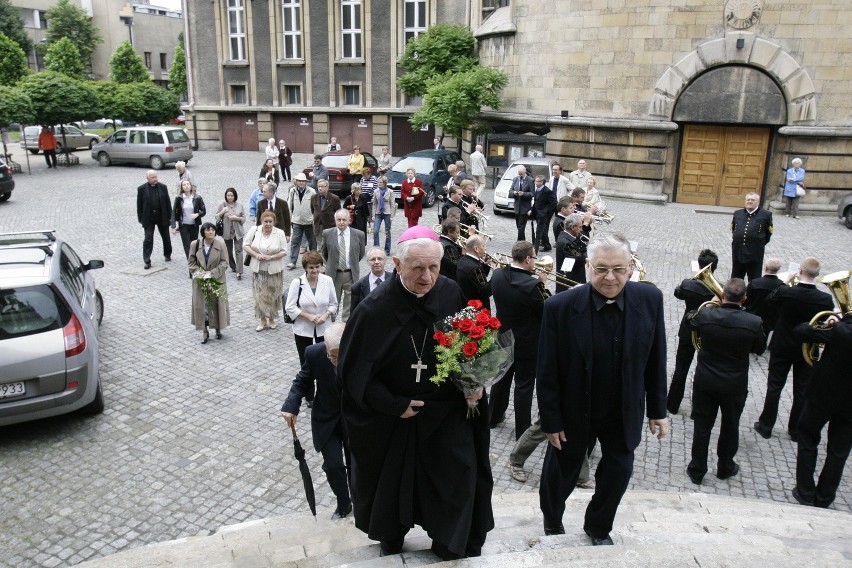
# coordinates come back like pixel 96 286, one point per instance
pixel 570 245
pixel 472 271
pixel 452 250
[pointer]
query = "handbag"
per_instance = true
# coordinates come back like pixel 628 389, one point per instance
pixel 287 318
pixel 800 190
pixel 247 261
pixel 220 226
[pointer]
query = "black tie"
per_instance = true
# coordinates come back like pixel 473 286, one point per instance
pixel 270 205
pixel 378 281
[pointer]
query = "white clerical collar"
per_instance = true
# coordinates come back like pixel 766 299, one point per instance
pixel 409 291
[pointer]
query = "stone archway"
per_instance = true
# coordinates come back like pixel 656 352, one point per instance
pixel 793 79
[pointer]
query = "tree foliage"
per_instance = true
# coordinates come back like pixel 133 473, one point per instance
pixel 443 48
pixel 63 57
pixel 177 72
pixel 68 20
pixel 126 66
pixel 12 26
pixel 59 99
pixel 15 106
pixel 453 101
pixel 159 105
pixel 13 62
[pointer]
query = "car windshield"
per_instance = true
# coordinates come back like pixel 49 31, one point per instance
pixel 177 136
pixel 420 165
pixel 532 170
pixel 29 310
pixel 336 161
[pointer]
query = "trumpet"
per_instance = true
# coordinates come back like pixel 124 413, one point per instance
pixel 788 278
pixel 483 218
pixel 545 264
pixel 604 219
pixel 838 284
pixel 468 230
pixel 496 261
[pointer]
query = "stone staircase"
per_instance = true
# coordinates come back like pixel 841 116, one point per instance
pixel 652 528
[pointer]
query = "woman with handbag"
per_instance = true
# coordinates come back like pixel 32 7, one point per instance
pixel 232 215
pixel 794 188
pixel 266 245
pixel 311 303
pixel 208 260
pixel 412 197
pixel 358 206
pixel 285 159
pixel 187 212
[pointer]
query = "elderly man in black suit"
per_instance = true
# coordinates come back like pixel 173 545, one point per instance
pixel 795 305
pixel 827 402
pixel 522 192
pixel 751 228
pixel 343 248
pixel 544 204
pixel 376 259
pixel 472 272
pixel 452 251
pixel 519 298
pixel 318 373
pixel 693 293
pixel 601 359
pixel 154 210
pixel 569 246
pixel 728 334
pixel 758 292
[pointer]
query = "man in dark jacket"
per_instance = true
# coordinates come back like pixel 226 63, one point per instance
pixel 758 292
pixel 693 293
pixel 751 228
pixel 472 272
pixel 728 335
pixel 327 427
pixel 153 209
pixel 544 204
pixel 522 192
pixel 452 250
pixel 795 305
pixel 569 245
pixel 376 260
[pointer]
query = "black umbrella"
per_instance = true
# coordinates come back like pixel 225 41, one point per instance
pixel 299 452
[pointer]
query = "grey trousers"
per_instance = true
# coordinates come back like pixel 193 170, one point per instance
pixel 530 440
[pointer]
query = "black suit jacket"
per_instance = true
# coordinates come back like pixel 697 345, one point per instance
pixel 544 202
pixel 565 362
pixel 568 246
pixel 519 301
pixel 145 213
pixel 830 386
pixel 728 335
pixel 523 203
pixel 558 226
pixel 751 233
pixel 694 293
pixel 756 298
pixel 472 278
pixel 325 414
pixel 197 207
pixel 795 305
pixel 452 253
pixel 361 288
pixel 282 213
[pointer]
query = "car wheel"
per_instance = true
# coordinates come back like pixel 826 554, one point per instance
pixel 848 220
pixel 97 405
pixel 33 151
pixel 157 163
pixel 5 197
pixel 103 159
pixel 99 308
pixel 92 143
pixel 430 196
pixel 59 147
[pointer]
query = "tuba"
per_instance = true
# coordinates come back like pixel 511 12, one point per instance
pixel 705 277
pixel 838 284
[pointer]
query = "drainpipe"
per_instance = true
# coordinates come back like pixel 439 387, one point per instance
pixel 190 94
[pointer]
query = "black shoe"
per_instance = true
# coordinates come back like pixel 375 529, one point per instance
pixel 694 477
pixel 341 513
pixel 147 265
pixel 442 552
pixel 389 548
pixel 600 540
pixel 762 430
pixel 206 337
pixel 168 259
pixel 801 500
pixel 550 531
pixel 309 403
pixel 794 436
pixel 218 334
pixel 734 470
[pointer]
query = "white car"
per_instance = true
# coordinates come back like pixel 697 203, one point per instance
pixel 503 203
pixel 74 137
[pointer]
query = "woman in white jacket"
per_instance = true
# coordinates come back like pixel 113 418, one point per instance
pixel 311 303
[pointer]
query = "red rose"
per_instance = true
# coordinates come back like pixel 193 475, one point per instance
pixel 455 324
pixel 485 311
pixel 476 332
pixel 465 325
pixel 438 336
pixel 442 339
pixel 475 304
pixel 482 318
pixel 470 348
pixel 494 323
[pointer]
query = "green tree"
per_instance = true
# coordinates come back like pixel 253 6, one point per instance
pixel 13 62
pixel 12 25
pixel 59 99
pixel 67 20
pixel 177 72
pixel 443 48
pixel 126 66
pixel 158 105
pixel 453 101
pixel 63 57
pixel 15 106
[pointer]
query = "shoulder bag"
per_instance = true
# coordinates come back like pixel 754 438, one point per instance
pixel 287 318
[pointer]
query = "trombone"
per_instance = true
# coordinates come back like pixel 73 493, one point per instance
pixel 468 230
pixel 545 264
pixel 838 284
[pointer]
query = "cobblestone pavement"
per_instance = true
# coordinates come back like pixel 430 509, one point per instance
pixel 191 438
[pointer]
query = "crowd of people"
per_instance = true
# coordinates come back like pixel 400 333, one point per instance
pixel 599 372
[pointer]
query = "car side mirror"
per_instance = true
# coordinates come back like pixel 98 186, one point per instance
pixel 93 264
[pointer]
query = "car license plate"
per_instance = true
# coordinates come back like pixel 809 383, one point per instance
pixel 12 389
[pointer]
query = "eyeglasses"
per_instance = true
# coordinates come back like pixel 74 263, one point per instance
pixel 605 270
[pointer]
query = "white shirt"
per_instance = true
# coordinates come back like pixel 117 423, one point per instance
pixel 373 279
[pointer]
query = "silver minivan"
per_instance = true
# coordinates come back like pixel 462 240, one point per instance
pixel 154 146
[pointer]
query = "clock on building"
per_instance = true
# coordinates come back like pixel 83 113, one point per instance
pixel 742 14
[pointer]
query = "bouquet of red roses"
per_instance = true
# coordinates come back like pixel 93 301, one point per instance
pixel 471 351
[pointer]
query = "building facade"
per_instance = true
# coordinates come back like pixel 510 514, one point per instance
pixel 305 71
pixel 152 30
pixel 694 102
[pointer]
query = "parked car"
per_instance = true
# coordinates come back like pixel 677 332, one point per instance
pixel 339 180
pixel 74 138
pixel 503 202
pixel 7 184
pixel 179 119
pixel 104 123
pixel 50 312
pixel 154 146
pixel 844 211
pixel 430 167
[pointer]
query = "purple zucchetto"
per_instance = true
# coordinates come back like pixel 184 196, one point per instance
pixel 418 232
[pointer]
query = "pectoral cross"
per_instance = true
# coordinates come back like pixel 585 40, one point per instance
pixel 419 366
